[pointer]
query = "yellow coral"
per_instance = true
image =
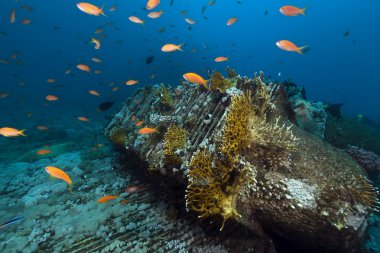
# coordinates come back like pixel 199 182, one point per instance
pixel 205 193
pixel 218 82
pixel 174 139
pixel 236 132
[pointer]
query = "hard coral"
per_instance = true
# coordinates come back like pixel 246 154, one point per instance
pixel 218 82
pixel 175 138
pixel 236 133
pixel 205 193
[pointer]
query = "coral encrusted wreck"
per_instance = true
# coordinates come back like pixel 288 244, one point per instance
pixel 242 157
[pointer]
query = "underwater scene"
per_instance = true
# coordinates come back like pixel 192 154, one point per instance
pixel 216 126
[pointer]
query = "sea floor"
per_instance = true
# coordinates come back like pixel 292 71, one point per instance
pixel 56 220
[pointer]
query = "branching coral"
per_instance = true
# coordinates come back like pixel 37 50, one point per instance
pixel 205 193
pixel 174 139
pixel 218 82
pixel 236 134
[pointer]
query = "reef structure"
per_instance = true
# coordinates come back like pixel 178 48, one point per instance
pixel 242 157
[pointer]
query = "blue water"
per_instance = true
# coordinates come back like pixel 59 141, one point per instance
pixel 337 69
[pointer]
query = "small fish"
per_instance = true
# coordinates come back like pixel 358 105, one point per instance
pixel 171 48
pixel 171 2
pixel 155 14
pixel 50 80
pixel 60 174
pixel 5 61
pixel 11 132
pixel 107 198
pixel 292 11
pixel 97 71
pixel 210 3
pixel 115 88
pixel 184 12
pixel 12 17
pixel 94 92
pixel 190 21
pixel 195 78
pixel 26 21
pixel 12 221
pixel 26 7
pixel 151 4
pixel 90 9
pixel 291 47
pixel 134 188
pixel 149 59
pixel 96 42
pixel 231 21
pixel 113 8
pixel 51 98
pixel 221 59
pixel 131 82
pixel 84 119
pixel 43 152
pixel 139 123
pixel 4 94
pixel 161 30
pixel 148 130
pixel 83 67
pixel 105 106
pixel 42 128
pixel 96 59
pixel 346 33
pixel 136 20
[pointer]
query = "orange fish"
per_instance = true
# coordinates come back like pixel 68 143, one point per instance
pixel 231 21
pixel 42 128
pixel 290 46
pixel 292 11
pixel 96 42
pixel 96 59
pixel 113 8
pixel 107 198
pixel 171 48
pixel 148 130
pixel 221 59
pixel 195 78
pixel 50 80
pixel 94 92
pixel 190 21
pixel 26 21
pixel 139 123
pixel 115 88
pixel 136 20
pixel 43 152
pixel 134 188
pixel 151 4
pixel 11 132
pixel 84 119
pixel 12 17
pixel 90 9
pixel 51 98
pixel 133 117
pixel 155 14
pixel 60 174
pixel 83 67
pixel 131 82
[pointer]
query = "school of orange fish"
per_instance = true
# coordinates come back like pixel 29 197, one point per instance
pixel 194 78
